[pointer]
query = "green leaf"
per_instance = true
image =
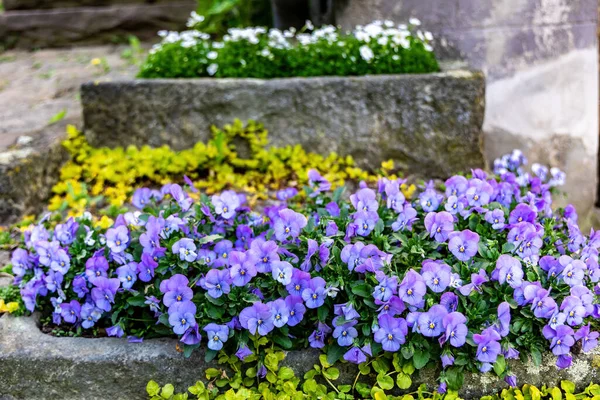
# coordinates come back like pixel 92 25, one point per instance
pixel 309 386
pixel 334 353
pixel 285 373
pixel 364 368
pixel 455 378
pixel 283 341
pixel 210 355
pixel 567 386
pixel 507 247
pixel 167 391
pixel 197 389
pixel 500 365
pixel 556 394
pixel 385 382
pixel 331 373
pixel 137 301
pixel 403 381
pixel 536 355
pixel 152 388
pixel 59 116
pixel 212 373
pixel 362 290
pixel 380 366
pixel 420 359
pixel 209 239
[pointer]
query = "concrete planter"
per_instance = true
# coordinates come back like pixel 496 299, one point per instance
pixel 38 366
pixel 429 124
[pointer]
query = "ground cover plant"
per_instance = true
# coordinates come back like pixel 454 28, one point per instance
pixel 95 176
pixel 467 274
pixel 377 48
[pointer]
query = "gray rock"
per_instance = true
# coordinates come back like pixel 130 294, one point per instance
pixel 27 175
pixel 429 124
pixel 44 4
pixel 90 25
pixel 38 366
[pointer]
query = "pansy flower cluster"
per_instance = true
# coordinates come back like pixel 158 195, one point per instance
pixel 471 272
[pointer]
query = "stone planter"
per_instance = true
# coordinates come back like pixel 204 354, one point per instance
pixel 430 124
pixel 41 4
pixel 38 366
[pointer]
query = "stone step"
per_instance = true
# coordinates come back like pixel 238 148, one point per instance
pixel 108 368
pixel 63 27
pixel 10 5
pixel 430 124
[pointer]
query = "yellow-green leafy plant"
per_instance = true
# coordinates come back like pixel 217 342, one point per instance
pixel 236 157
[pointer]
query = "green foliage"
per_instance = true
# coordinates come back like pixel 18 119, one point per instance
pixel 258 53
pixel 219 15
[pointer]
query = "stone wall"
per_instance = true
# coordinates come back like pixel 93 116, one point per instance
pixel 540 59
pixel 372 118
pixel 44 4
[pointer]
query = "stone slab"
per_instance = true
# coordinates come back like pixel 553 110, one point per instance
pixel 91 25
pixel 10 5
pixel 42 367
pixel 430 124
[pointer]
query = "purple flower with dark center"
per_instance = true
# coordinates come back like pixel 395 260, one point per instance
pixel 313 247
pixel 79 286
pixel 282 272
pixel 551 266
pixel 365 222
pixel 216 335
pixel 317 182
pixel 206 256
pixel 430 200
pixel 412 288
pixel 589 340
pixel 265 252
pixel 477 281
pixel 573 271
pixel 450 301
pixel 495 218
pixel 314 294
pixel 104 292
pixel 394 198
pixel 502 325
pixel 522 213
pixel 226 203
pixel 65 233
pixel 561 339
pixel 243 352
pixel 439 225
pixel 557 319
pixel 346 311
pixel 463 244
pixel 117 238
pixel 286 194
pixel 89 315
pixel 145 269
pixel 456 186
pixel 387 287
pixel 127 275
pixel 345 333
pixel 455 205
pixel 317 338
pixel 222 250
pixel 355 356
pixel 217 282
pixel 573 309
pixel 60 262
pixel 333 209
pixel 186 249
pixel 365 200
pixel 115 331
pixel 70 311
pixel 479 192
pixel 391 333
pixel 456 329
pixel 242 268
pixel 405 219
pixel 257 318
pixel 298 283
pixel 96 267
pixel 192 335
pixel 296 309
pixel 177 294
pixel 20 262
pixel 394 306
pixel 436 275
pixel 508 270
pixel 289 224
pixel 542 305
pixel 141 197
pixel 280 312
pixel 244 235
pixel 488 346
pixel 181 197
pixel 431 322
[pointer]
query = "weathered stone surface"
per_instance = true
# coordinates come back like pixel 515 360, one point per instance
pixel 38 366
pixel 45 4
pixel 430 124
pixel 91 25
pixel 27 175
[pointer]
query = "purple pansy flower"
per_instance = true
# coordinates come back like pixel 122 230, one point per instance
pixel 495 218
pixel 226 203
pixel 289 224
pixel 391 333
pixel 296 309
pixel 463 244
pixel 117 238
pixel 216 335
pixel 436 275
pixel 456 328
pixel 104 292
pixel 317 338
pixel 265 252
pixel 508 270
pixel 127 274
pixel 439 225
pixel 70 311
pixel 314 294
pixel 412 288
pixel 217 282
pixel 185 249
pixel 345 333
pixel 431 322
pixel 242 268
pixel 589 340
pixel 257 318
pixel 561 339
pixel 488 346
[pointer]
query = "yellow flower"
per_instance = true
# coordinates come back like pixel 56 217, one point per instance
pixel 387 165
pixel 408 191
pixel 8 308
pixel 104 222
pixel 96 61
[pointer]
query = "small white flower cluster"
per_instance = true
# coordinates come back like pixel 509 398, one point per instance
pixel 194 19
pixel 377 40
